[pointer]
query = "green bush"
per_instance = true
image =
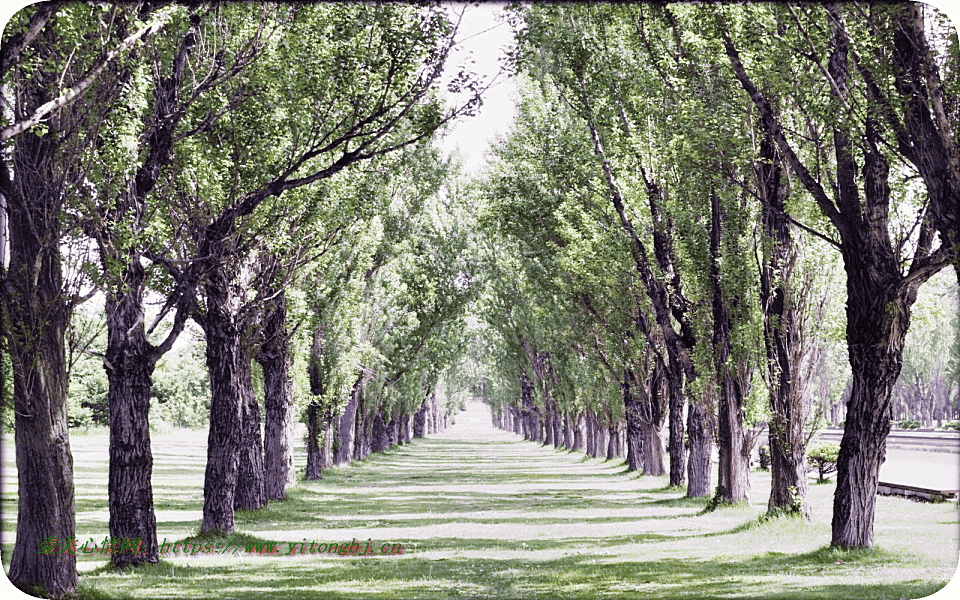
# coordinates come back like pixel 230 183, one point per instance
pixel 954 425
pixel 908 424
pixel 823 458
pixel 764 453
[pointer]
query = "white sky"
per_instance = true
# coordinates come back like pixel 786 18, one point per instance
pixel 485 39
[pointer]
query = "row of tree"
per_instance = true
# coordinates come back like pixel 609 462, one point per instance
pixel 262 170
pixel 690 194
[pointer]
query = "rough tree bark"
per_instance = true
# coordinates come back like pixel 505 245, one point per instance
pixel 733 476
pixel 345 426
pixel 701 443
pixel 250 494
pixel 223 359
pixel 651 421
pixel 631 411
pixel 36 317
pixel 782 340
pixel 314 459
pixel 879 294
pixel 278 431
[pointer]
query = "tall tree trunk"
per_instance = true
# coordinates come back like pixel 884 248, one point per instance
pixel 226 405
pixel 250 493
pixel 557 428
pixel 548 426
pixel 314 459
pixel 380 440
pixel 36 316
pixel 613 444
pixel 345 426
pixel 782 309
pixel 589 433
pixel 578 432
pixel 530 422
pixel 675 445
pixel 733 477
pixel 420 420
pixel 129 363
pixel 651 421
pixel 701 443
pixel 877 321
pixel 278 404
pixel 631 411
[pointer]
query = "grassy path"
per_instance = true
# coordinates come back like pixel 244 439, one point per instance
pixel 482 514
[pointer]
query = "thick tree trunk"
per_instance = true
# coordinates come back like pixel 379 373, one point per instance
pixel 37 315
pixel 380 440
pixel 879 296
pixel 314 460
pixel 877 323
pixel 226 406
pixel 652 445
pixel 420 420
pixel 675 445
pixel 129 363
pixel 613 444
pixel 567 431
pixel 548 427
pixel 701 443
pixel 278 431
pixel 530 422
pixel 250 494
pixel 345 426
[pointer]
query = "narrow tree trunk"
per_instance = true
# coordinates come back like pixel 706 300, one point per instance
pixel 314 458
pixel 567 431
pixel 782 318
pixel 578 432
pixel 250 476
pixel 674 380
pixel 278 432
pixel 701 443
pixel 589 442
pixel 631 411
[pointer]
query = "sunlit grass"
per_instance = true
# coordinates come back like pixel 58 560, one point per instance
pixel 483 514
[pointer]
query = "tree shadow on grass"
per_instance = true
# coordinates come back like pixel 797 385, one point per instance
pixel 770 575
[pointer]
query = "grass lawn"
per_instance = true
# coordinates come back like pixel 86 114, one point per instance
pixel 482 514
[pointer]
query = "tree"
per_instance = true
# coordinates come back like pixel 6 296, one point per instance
pixel 879 292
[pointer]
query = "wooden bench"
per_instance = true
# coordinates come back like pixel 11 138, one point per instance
pixel 911 491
